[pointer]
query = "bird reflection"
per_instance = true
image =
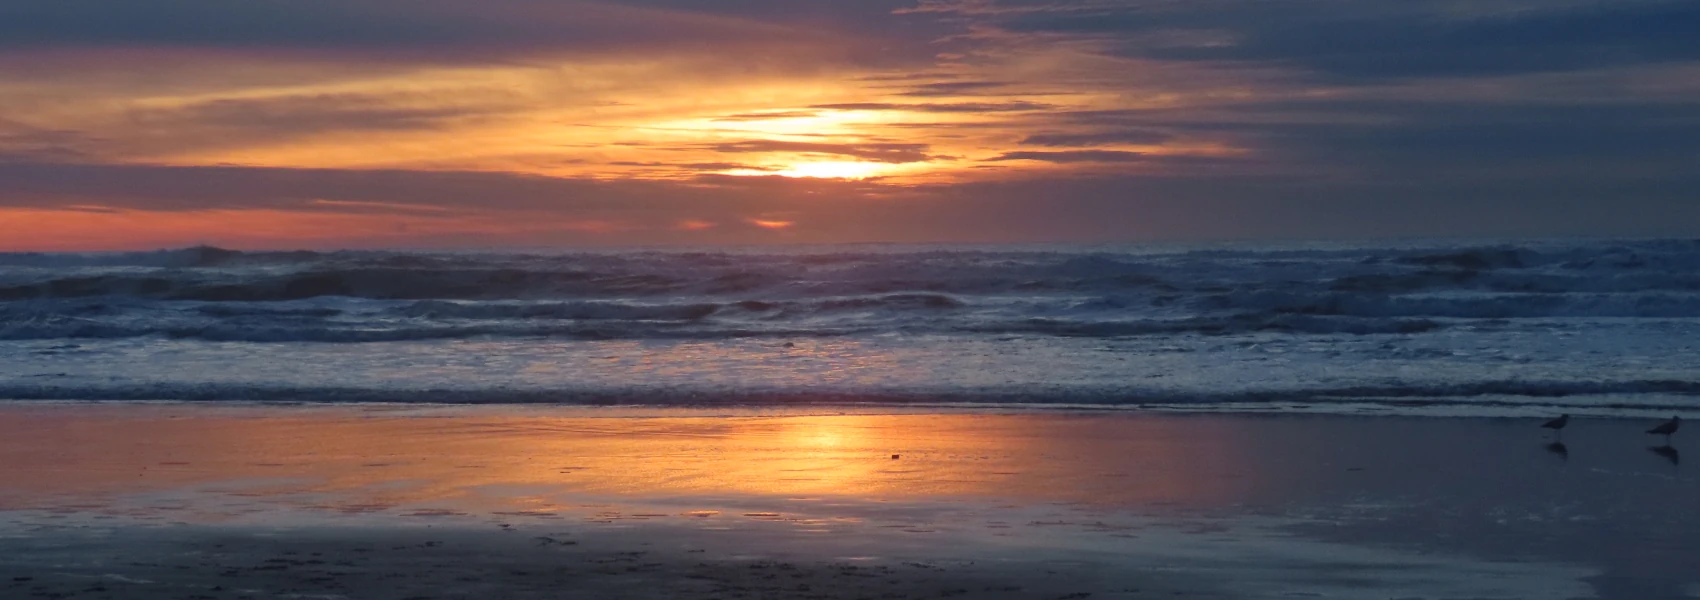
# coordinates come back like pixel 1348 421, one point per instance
pixel 1559 449
pixel 1668 452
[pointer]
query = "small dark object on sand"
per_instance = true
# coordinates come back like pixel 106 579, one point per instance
pixel 790 345
pixel 896 456
pixel 1666 428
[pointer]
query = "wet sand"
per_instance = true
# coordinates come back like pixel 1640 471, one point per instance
pixel 196 501
pixel 360 562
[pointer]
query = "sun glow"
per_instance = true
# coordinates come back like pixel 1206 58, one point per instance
pixel 835 170
pixel 771 224
pixel 426 461
pixel 846 169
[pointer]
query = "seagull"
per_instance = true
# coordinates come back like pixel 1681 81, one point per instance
pixel 1557 425
pixel 1666 428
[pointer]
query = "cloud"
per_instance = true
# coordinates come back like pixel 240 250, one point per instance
pixel 952 88
pixel 985 117
pixel 954 107
pixel 169 188
pixel 1099 138
pixel 331 208
pixel 434 26
pixel 1076 156
pixel 292 115
pixel 1461 140
pixel 707 166
pixel 19 141
pixel 1368 40
pixel 768 115
pixel 761 33
pixel 886 152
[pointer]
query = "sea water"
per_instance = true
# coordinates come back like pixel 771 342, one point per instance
pixel 1607 327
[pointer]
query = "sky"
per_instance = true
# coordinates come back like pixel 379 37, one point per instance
pixel 520 123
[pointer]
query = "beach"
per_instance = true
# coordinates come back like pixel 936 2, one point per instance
pixel 403 501
pixel 849 300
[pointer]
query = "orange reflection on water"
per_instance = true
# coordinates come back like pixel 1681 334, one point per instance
pixel 499 460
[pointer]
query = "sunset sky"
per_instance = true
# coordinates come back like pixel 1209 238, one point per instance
pixel 519 123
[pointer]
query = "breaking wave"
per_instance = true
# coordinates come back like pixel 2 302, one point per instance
pixel 218 294
pixel 1542 327
pixel 1483 393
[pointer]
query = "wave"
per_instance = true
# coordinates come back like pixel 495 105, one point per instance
pixel 193 257
pixel 220 275
pixel 498 282
pixel 587 325
pixel 695 311
pixel 935 314
pixel 1475 259
pixel 73 329
pixel 217 294
pixel 1473 306
pixel 1624 394
pixel 443 310
pixel 1210 326
pixel 79 328
pixel 378 283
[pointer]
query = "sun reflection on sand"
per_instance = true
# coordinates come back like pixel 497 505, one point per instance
pixel 350 461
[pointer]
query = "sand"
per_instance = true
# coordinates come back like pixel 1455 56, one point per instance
pixel 197 501
pixel 358 562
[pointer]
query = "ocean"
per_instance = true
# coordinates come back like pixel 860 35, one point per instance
pixel 1596 327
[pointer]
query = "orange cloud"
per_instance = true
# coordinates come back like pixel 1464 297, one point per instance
pixel 98 228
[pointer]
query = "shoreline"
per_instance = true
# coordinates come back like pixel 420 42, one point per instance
pixel 1424 409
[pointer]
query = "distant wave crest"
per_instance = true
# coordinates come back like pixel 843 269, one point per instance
pixel 219 294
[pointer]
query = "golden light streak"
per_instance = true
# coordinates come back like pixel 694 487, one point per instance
pixel 835 170
pixel 823 170
pixel 385 463
pixel 771 224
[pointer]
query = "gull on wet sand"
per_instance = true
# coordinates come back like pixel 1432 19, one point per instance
pixel 1666 428
pixel 1557 425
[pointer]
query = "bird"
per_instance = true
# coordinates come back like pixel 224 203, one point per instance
pixel 1557 425
pixel 1666 428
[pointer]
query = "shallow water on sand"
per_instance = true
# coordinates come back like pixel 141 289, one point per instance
pixel 1236 506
